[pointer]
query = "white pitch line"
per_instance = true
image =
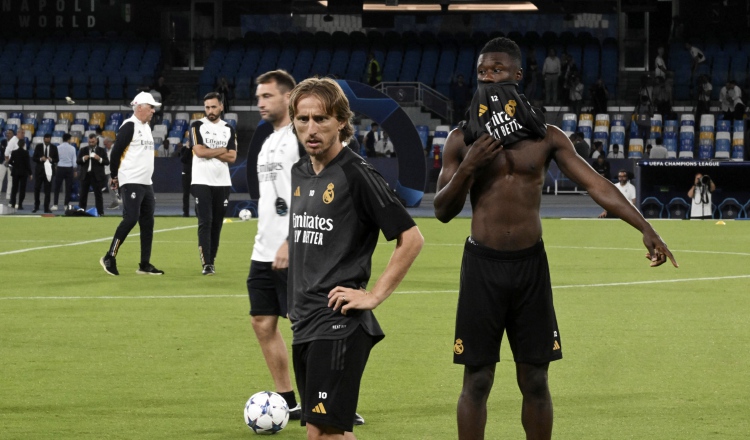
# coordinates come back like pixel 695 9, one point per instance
pixel 78 243
pixel 633 283
pixel 404 292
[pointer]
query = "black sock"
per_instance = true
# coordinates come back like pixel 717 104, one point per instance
pixel 291 401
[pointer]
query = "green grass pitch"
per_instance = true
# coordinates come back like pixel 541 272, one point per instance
pixel 649 353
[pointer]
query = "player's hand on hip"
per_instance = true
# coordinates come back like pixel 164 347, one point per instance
pixel 483 151
pixel 345 299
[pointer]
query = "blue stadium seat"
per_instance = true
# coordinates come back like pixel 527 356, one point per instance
pixel 730 208
pixel 115 86
pixel 429 64
pixel 339 60
pixel 7 85
pixel 98 88
pixel 80 88
pixel 412 58
pixel 134 82
pixel 322 61
pixel 116 117
pixel 678 208
pixel 392 65
pixel 62 85
pixel 651 207
pixel 357 64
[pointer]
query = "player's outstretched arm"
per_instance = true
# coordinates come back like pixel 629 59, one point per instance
pixel 606 195
pixel 408 246
pixel 457 174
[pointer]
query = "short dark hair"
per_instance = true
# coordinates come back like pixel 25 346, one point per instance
pixel 284 81
pixel 47 135
pixel 92 135
pixel 502 44
pixel 66 137
pixel 213 95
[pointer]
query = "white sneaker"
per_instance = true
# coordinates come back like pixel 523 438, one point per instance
pixel 54 207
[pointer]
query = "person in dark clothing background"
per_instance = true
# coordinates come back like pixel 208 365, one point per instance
pixel 186 157
pixel 20 171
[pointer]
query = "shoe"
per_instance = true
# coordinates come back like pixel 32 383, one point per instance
pixel 109 264
pixel 208 269
pixel 20 208
pixel 186 215
pixel 47 211
pixel 54 207
pixel 34 210
pixel 358 419
pixel 295 413
pixel 148 269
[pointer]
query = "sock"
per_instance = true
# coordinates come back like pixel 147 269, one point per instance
pixel 291 401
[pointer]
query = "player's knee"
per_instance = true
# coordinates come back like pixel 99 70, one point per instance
pixel 478 384
pixel 264 326
pixel 534 383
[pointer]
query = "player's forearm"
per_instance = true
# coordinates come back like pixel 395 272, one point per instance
pixel 612 200
pixel 229 156
pixel 407 248
pixel 208 153
pixel 451 198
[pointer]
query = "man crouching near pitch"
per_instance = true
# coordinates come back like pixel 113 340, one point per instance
pixel 339 206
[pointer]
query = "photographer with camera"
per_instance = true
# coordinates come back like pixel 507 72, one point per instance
pixel 700 193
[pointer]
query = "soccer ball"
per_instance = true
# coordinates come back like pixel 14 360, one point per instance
pixel 266 413
pixel 246 214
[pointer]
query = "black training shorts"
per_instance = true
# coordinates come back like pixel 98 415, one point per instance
pixel 267 290
pixel 505 291
pixel 328 374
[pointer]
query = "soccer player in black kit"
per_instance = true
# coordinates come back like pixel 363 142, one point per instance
pixel 339 206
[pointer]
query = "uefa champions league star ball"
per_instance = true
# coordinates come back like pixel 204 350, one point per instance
pixel 246 214
pixel 266 413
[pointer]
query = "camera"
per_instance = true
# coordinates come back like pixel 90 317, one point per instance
pixel 706 180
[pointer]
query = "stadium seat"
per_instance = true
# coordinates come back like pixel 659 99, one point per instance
pixel 109 134
pixel 67 116
pixel 83 122
pixel 29 128
pixel 678 208
pixel 651 207
pixel 98 118
pixel 730 208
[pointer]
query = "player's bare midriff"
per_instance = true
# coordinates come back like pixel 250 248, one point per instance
pixel 506 197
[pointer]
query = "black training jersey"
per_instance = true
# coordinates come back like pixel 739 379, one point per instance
pixel 336 217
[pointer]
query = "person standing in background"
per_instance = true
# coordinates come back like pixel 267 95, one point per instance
pixel 186 159
pixel 215 147
pixel 66 171
pixel 131 169
pixel 20 170
pixel 44 153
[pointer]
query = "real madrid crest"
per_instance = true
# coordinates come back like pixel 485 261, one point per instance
pixel 458 347
pixel 328 194
pixel 510 107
